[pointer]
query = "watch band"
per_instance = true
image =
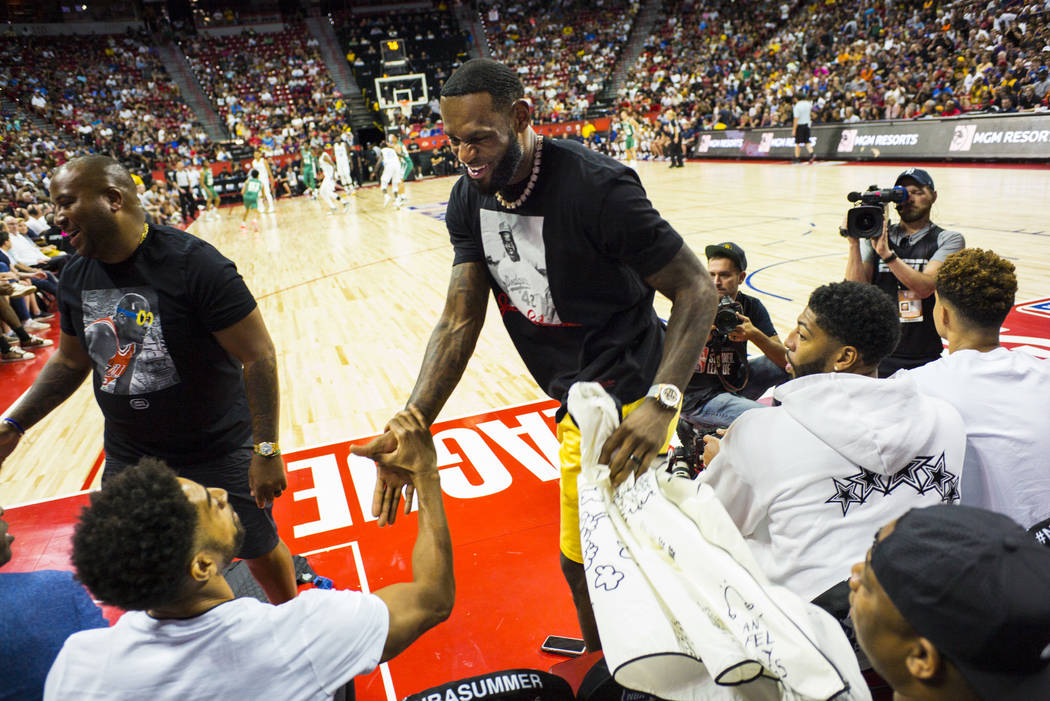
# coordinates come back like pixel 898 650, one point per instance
pixel 890 258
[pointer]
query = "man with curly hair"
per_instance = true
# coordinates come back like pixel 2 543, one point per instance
pixel 156 545
pixel 808 482
pixel 1002 395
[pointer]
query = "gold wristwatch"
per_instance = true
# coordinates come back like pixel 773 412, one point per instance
pixel 267 449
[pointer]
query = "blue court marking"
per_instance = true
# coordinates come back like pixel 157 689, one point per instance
pixel 783 262
pixel 434 211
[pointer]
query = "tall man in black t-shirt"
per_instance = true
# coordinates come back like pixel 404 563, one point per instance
pixel 183 366
pixel 903 262
pixel 725 383
pixel 573 252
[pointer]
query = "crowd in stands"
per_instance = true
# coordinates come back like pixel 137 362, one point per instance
pixel 107 93
pixel 270 89
pixel 738 65
pixel 564 52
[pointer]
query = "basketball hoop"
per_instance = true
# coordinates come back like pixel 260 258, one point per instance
pixel 406 108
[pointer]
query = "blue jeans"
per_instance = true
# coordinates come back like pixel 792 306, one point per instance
pixel 722 409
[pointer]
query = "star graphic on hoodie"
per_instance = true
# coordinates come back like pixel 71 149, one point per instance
pixel 868 482
pixel 845 495
pixel 913 474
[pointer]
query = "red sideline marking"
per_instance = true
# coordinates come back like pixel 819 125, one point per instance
pixel 94 470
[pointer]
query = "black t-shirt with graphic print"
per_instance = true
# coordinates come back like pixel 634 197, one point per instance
pixel 567 270
pixel 164 384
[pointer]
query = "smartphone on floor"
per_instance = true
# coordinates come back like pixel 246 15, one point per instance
pixel 570 647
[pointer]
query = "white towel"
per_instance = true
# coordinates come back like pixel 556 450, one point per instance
pixel 682 608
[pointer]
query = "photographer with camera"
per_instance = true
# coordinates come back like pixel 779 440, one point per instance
pixel 725 383
pixel 902 260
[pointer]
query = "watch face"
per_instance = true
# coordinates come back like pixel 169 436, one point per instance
pixel 266 449
pixel 669 396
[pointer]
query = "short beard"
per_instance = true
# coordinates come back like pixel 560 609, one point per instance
pixel 503 170
pixel 814 368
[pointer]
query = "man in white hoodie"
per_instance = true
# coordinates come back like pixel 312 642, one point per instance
pixel 1003 395
pixel 810 481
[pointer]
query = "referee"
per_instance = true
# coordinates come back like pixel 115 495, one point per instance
pixel 803 113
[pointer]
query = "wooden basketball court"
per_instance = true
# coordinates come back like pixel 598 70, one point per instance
pixel 351 299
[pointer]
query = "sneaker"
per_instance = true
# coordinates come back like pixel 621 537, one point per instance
pixel 44 317
pixel 37 342
pixel 16 354
pixel 21 290
pixel 386 200
pixel 35 326
pixel 12 338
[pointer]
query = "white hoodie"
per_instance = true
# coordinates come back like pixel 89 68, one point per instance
pixel 810 482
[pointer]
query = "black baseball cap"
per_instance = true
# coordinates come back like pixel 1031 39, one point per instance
pixel 918 175
pixel 729 250
pixel 974 583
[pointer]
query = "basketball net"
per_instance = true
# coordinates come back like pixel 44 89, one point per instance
pixel 406 108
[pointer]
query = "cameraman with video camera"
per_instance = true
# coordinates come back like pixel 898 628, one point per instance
pixel 725 383
pixel 902 260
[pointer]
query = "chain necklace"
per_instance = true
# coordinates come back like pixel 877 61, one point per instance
pixel 532 179
pixel 145 230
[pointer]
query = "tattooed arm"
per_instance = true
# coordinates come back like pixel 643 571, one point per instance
pixel 64 372
pixel 453 340
pixel 249 341
pixel 450 347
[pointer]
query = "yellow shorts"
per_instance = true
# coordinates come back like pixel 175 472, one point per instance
pixel 569 456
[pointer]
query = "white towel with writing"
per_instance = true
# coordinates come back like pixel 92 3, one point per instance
pixel 683 610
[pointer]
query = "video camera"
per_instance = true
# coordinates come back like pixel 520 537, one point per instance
pixel 864 220
pixel 725 318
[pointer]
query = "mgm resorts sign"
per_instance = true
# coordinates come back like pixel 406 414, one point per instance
pixel 988 137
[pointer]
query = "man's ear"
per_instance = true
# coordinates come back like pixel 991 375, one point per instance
pixel 846 359
pixel 933 196
pixel 203 566
pixel 115 198
pixel 923 660
pixel 521 114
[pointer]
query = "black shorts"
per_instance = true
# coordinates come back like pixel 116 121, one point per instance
pixel 802 134
pixel 230 473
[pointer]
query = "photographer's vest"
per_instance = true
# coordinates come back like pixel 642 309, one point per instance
pixel 919 338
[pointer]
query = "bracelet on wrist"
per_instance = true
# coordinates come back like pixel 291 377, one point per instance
pixel 17 426
pixel 890 258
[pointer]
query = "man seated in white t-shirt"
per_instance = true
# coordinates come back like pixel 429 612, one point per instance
pixel 156 545
pixel 809 481
pixel 1002 395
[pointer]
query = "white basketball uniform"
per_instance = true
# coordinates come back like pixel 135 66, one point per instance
pixel 391 168
pixel 259 164
pixel 327 189
pixel 342 163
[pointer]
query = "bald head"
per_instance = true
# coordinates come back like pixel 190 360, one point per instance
pixel 100 171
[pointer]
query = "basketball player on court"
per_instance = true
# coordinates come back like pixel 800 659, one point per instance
pixel 327 191
pixel 391 177
pixel 211 197
pixel 629 129
pixel 600 251
pixel 260 164
pixel 342 162
pixel 250 190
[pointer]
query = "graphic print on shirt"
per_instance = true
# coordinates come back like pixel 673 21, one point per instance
pixel 517 258
pixel 924 473
pixel 123 335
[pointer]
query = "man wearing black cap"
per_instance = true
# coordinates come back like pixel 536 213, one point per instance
pixel 903 262
pixel 725 383
pixel 951 605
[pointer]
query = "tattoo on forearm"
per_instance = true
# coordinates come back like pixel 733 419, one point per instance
pixel 453 340
pixel 55 383
pixel 261 385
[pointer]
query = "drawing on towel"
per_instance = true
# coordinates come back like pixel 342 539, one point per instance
pixel 607 577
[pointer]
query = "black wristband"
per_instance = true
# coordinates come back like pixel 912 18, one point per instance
pixel 843 231
pixel 890 258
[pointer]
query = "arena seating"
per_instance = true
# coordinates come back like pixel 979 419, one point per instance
pixel 563 53
pixel 259 83
pixel 434 45
pixel 740 64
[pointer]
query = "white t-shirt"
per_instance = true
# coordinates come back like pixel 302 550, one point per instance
pixel 38 225
pixel 1004 399
pixel 24 251
pixel 306 648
